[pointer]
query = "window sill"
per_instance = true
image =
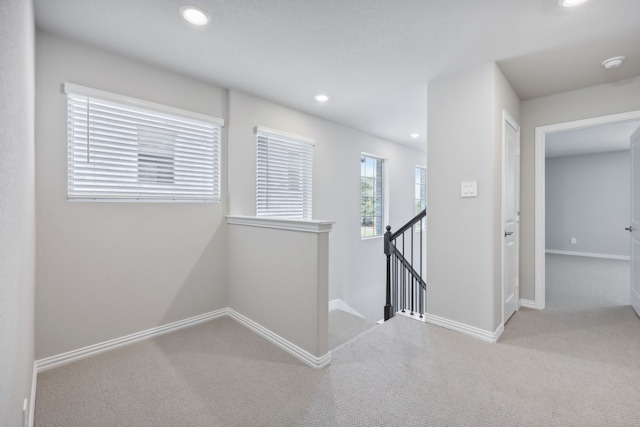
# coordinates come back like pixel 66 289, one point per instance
pixel 372 237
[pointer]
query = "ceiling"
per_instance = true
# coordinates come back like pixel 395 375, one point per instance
pixel 595 139
pixel 373 58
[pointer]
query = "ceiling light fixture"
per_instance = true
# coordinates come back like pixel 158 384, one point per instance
pixel 571 3
pixel 614 62
pixel 414 135
pixel 195 15
pixel 322 98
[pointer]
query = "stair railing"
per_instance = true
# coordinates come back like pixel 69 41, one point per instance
pixel 406 288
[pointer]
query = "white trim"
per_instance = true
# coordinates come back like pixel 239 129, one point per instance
pixel 309 226
pixel 280 134
pixel 464 328
pixel 68 88
pixel 539 190
pixel 527 303
pixel 510 121
pixel 385 191
pixel 338 304
pixel 74 355
pixel 539 220
pixel 588 254
pixel 302 355
pixel 414 316
pixel 32 402
pixel 71 356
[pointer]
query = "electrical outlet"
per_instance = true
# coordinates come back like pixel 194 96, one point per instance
pixel 574 240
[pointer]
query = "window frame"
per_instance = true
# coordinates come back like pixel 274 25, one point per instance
pixel 379 187
pixel 181 163
pixel 423 189
pixel 273 198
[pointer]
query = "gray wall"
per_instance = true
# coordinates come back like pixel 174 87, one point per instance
pixel 105 270
pixel 588 197
pixel 585 103
pixel 17 208
pixel 356 266
pixel 464 235
pixel 279 279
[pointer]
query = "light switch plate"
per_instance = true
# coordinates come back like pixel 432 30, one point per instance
pixel 469 189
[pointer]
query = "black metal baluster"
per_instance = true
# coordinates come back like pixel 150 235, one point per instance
pixel 422 290
pixel 413 280
pixel 388 309
pixel 404 279
pixel 394 283
pixel 404 284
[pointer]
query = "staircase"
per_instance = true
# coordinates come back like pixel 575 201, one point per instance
pixel 406 288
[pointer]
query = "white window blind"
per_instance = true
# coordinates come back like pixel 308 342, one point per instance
pixel 283 175
pixel 121 148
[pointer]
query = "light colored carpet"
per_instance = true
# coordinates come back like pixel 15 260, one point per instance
pixel 550 368
pixel 583 283
pixel 345 326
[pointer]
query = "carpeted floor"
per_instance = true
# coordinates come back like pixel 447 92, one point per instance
pixel 578 367
pixel 345 326
pixel 575 283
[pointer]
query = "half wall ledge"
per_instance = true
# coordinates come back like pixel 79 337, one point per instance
pixel 310 226
pixel 278 276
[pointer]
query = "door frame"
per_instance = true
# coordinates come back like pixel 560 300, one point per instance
pixel 539 185
pixel 634 296
pixel 507 120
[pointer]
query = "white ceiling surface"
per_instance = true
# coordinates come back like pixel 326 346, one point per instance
pixel 595 139
pixel 374 58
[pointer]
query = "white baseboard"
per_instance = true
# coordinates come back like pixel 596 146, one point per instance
pixel 338 304
pixel 464 328
pixel 588 254
pixel 414 316
pixel 303 355
pixel 70 356
pixel 32 402
pixel 528 303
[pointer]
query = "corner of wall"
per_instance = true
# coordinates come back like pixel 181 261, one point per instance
pixel 17 210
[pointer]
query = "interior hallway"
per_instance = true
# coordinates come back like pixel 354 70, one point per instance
pixel 573 364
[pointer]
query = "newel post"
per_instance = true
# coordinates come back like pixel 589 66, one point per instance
pixel 388 308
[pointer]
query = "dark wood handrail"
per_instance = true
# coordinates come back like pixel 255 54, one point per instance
pixel 391 251
pixel 413 221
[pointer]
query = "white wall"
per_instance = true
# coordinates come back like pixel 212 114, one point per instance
pixel 588 197
pixel 279 279
pixel 464 235
pixel 585 103
pixel 105 270
pixel 357 267
pixel 17 208
pixel 505 99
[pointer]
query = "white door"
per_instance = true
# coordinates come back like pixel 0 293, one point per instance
pixel 635 221
pixel 510 214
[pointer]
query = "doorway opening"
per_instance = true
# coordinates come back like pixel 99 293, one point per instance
pixel 542 134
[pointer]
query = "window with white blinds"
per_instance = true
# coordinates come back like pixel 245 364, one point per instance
pixel 283 175
pixel 121 148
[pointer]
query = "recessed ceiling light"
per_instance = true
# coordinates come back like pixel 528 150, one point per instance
pixel 614 62
pixel 414 135
pixel 322 98
pixel 571 3
pixel 194 15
